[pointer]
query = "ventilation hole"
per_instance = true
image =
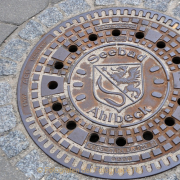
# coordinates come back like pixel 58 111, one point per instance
pixel 58 65
pixel 116 32
pixel 71 125
pixel 176 60
pixel 169 121
pixel 121 141
pixel 93 37
pixel 57 106
pixel 73 48
pixel 161 44
pixel 53 85
pixel 148 135
pixel 178 101
pixel 94 137
pixel 139 35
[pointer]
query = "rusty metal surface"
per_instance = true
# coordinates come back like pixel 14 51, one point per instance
pixel 101 96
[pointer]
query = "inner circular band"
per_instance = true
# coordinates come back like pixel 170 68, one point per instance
pixel 112 44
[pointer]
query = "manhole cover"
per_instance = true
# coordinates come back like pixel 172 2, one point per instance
pixel 99 93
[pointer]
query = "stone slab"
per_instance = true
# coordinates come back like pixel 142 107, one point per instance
pixel 160 5
pixel 20 11
pixel 176 11
pixel 5 31
pixel 15 49
pixel 104 2
pixel 50 16
pixel 14 143
pixel 7 118
pixel 7 67
pixel 74 6
pixel 5 93
pixel 32 166
pixel 60 176
pixel 55 1
pixel 7 171
pixel 32 30
pixel 130 2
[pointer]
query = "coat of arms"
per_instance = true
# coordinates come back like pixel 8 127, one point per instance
pixel 118 85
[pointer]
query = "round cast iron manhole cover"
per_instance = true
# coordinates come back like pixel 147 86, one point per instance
pixel 99 93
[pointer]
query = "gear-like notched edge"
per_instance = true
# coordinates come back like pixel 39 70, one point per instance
pixel 61 160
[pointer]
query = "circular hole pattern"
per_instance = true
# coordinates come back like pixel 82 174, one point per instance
pixel 161 44
pixel 57 106
pixel 169 121
pixel 176 60
pixel 58 65
pixel 71 125
pixel 73 48
pixel 139 35
pixel 93 37
pixel 121 141
pixel 178 101
pixel 148 135
pixel 52 85
pixel 94 137
pixel 116 32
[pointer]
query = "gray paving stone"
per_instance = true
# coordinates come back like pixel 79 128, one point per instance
pixel 18 11
pixel 60 176
pixel 15 49
pixel 5 93
pixel 7 171
pixel 7 118
pixel 5 31
pixel 32 30
pixel 30 165
pixel 176 11
pixel 55 1
pixel 104 2
pixel 7 67
pixel 172 177
pixel 13 143
pixel 74 6
pixel 130 2
pixel 50 16
pixel 160 5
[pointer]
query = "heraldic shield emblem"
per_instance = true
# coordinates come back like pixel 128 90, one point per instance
pixel 118 85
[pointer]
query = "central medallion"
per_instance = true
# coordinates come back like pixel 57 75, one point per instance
pixel 118 85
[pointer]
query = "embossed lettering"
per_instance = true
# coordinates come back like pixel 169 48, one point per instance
pixel 36 53
pixel 136 115
pixel 102 115
pixel 26 76
pixel 131 54
pixel 117 39
pixel 114 26
pixel 121 150
pixel 24 100
pixel 103 55
pixel 94 111
pixel 116 118
pixel 145 110
pixel 128 117
pixel 93 58
pixel 122 52
pixel 112 52
pixel 141 57
pixel 110 115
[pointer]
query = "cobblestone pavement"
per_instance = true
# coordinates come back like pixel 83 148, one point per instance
pixel 22 24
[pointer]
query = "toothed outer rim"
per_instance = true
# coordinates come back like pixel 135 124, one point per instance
pixel 61 160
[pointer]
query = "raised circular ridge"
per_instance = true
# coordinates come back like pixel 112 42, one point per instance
pixel 61 160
